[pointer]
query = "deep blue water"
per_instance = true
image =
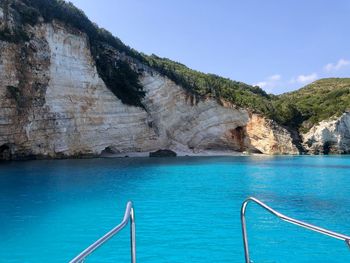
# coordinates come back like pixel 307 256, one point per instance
pixel 187 209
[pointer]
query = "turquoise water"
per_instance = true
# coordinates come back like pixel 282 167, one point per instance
pixel 187 209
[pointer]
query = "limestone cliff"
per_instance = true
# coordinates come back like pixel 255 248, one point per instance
pixel 329 136
pixel 57 100
pixel 268 137
pixel 54 104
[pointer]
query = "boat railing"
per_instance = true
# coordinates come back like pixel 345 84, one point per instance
pixel 128 216
pixel 290 220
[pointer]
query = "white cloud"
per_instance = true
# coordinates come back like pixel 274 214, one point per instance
pixel 274 83
pixel 336 66
pixel 261 84
pixel 269 83
pixel 274 77
pixel 303 79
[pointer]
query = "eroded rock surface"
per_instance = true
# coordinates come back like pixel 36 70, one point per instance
pixel 54 104
pixel 266 136
pixel 182 123
pixel 329 136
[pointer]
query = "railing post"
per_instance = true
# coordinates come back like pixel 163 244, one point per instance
pixel 244 232
pixel 132 235
pixel 286 219
pixel 129 217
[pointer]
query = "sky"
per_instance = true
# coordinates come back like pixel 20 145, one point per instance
pixel 278 45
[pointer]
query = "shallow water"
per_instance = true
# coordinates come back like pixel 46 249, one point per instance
pixel 187 209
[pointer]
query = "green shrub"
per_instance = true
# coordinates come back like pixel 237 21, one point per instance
pixel 121 79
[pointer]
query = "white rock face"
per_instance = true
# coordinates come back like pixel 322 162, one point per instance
pixel 330 136
pixel 89 117
pixel 79 116
pixel 185 124
pixel 268 137
pixel 54 104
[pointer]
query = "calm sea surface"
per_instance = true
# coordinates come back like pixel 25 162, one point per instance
pixel 187 209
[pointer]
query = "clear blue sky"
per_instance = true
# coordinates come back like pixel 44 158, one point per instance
pixel 279 44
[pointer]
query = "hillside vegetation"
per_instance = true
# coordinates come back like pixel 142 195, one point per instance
pixel 298 110
pixel 320 100
pixel 204 85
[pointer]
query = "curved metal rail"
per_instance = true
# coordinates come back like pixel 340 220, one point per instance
pixel 286 219
pixel 129 215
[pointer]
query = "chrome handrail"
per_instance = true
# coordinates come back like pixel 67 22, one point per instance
pixel 286 219
pixel 129 215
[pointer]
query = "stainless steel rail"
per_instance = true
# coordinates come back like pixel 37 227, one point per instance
pixel 129 215
pixel 286 219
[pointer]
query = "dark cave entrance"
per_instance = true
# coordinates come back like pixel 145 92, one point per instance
pixel 5 152
pixel 238 135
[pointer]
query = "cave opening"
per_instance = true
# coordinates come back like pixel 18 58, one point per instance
pixel 238 135
pixel 5 152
